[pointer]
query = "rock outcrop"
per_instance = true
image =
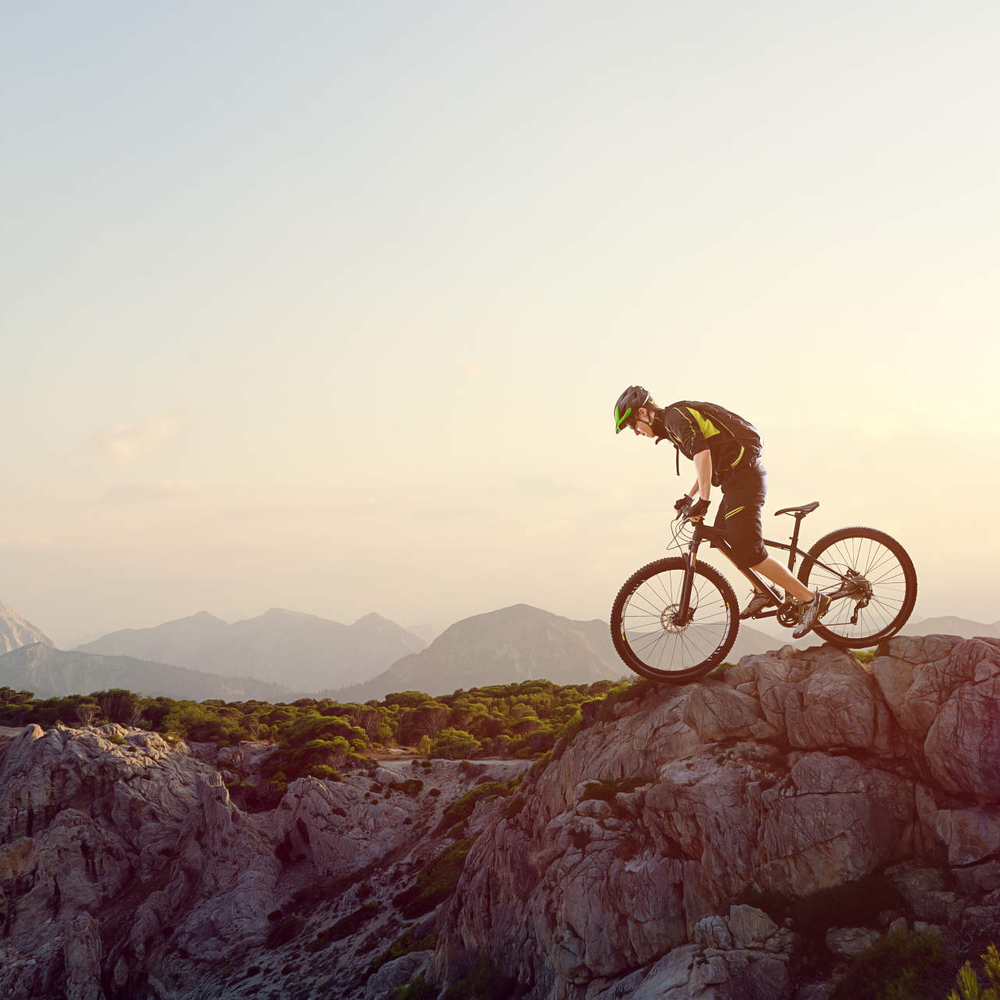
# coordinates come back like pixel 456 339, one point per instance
pixel 795 772
pixel 679 845
pixel 126 871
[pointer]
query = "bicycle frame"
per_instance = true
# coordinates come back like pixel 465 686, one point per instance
pixel 717 538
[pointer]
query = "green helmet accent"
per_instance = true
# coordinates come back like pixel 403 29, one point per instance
pixel 628 402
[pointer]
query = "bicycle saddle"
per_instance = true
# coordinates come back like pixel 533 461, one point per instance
pixel 798 511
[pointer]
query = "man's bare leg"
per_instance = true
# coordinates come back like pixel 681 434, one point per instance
pixel 780 576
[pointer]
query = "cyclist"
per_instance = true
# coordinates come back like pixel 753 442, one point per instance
pixel 726 452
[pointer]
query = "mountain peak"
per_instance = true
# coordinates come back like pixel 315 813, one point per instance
pixel 292 648
pixel 16 631
pixel 372 617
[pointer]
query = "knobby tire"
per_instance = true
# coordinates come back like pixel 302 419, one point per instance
pixel 651 643
pixel 887 567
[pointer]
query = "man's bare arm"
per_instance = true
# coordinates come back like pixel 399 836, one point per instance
pixel 703 466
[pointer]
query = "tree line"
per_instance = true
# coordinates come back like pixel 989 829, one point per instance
pixel 318 735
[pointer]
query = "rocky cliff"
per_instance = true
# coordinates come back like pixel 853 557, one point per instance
pixel 667 850
pixel 793 773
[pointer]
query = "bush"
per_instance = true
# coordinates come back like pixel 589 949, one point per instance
pixel 461 808
pixel 344 927
pixel 902 965
pixel 416 989
pixel 282 932
pixel 455 744
pixel 967 982
pixel 407 942
pixel 436 881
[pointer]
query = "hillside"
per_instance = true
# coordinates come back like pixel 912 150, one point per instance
pixel 16 632
pixel 742 837
pixel 297 650
pixel 515 644
pixel 952 625
pixel 50 672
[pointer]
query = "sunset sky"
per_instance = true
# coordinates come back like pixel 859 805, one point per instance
pixel 326 306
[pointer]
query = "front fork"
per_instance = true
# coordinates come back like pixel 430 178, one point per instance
pixel 684 612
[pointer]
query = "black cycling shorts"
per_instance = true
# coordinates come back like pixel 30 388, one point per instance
pixel 739 514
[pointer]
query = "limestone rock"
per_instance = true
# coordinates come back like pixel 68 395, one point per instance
pixel 396 973
pixel 945 696
pixel 636 862
pixel 793 772
pixel 850 942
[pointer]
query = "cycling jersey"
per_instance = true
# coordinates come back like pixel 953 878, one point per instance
pixel 692 427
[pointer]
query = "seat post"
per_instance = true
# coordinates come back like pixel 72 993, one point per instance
pixel 795 538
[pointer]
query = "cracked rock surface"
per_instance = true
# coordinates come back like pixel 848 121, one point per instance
pixel 637 862
pixel 795 772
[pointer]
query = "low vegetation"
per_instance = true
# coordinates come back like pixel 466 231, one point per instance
pixel 901 965
pixel 435 882
pixel 968 985
pixel 320 736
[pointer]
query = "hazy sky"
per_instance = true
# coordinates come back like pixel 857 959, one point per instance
pixel 326 305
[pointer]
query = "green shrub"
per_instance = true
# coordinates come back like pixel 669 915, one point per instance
pixel 516 804
pixel 462 807
pixel 415 989
pixel 902 965
pixel 407 942
pixel 435 882
pixel 344 927
pixel 967 986
pixel 282 932
pixel 455 744
pixel 325 772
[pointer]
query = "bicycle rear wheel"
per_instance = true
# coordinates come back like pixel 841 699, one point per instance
pixel 871 579
pixel 649 637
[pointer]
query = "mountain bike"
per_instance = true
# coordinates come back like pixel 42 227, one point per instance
pixel 675 619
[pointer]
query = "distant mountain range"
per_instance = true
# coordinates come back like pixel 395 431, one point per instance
pixel 16 632
pixel 283 655
pixel 515 644
pixel 950 625
pixel 50 673
pixel 301 651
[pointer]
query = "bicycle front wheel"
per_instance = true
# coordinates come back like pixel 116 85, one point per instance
pixel 651 637
pixel 872 582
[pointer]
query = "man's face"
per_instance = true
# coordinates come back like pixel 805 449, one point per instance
pixel 641 424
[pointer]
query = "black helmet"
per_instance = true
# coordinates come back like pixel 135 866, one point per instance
pixel 628 402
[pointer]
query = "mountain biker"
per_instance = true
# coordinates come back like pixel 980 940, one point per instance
pixel 726 452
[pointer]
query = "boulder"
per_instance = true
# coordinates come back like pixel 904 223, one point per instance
pixel 793 772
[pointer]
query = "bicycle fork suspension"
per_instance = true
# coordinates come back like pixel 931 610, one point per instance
pixel 684 612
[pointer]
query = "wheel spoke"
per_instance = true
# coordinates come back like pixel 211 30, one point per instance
pixel 651 633
pixel 877 565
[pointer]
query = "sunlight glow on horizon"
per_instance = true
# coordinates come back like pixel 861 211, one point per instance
pixel 327 308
